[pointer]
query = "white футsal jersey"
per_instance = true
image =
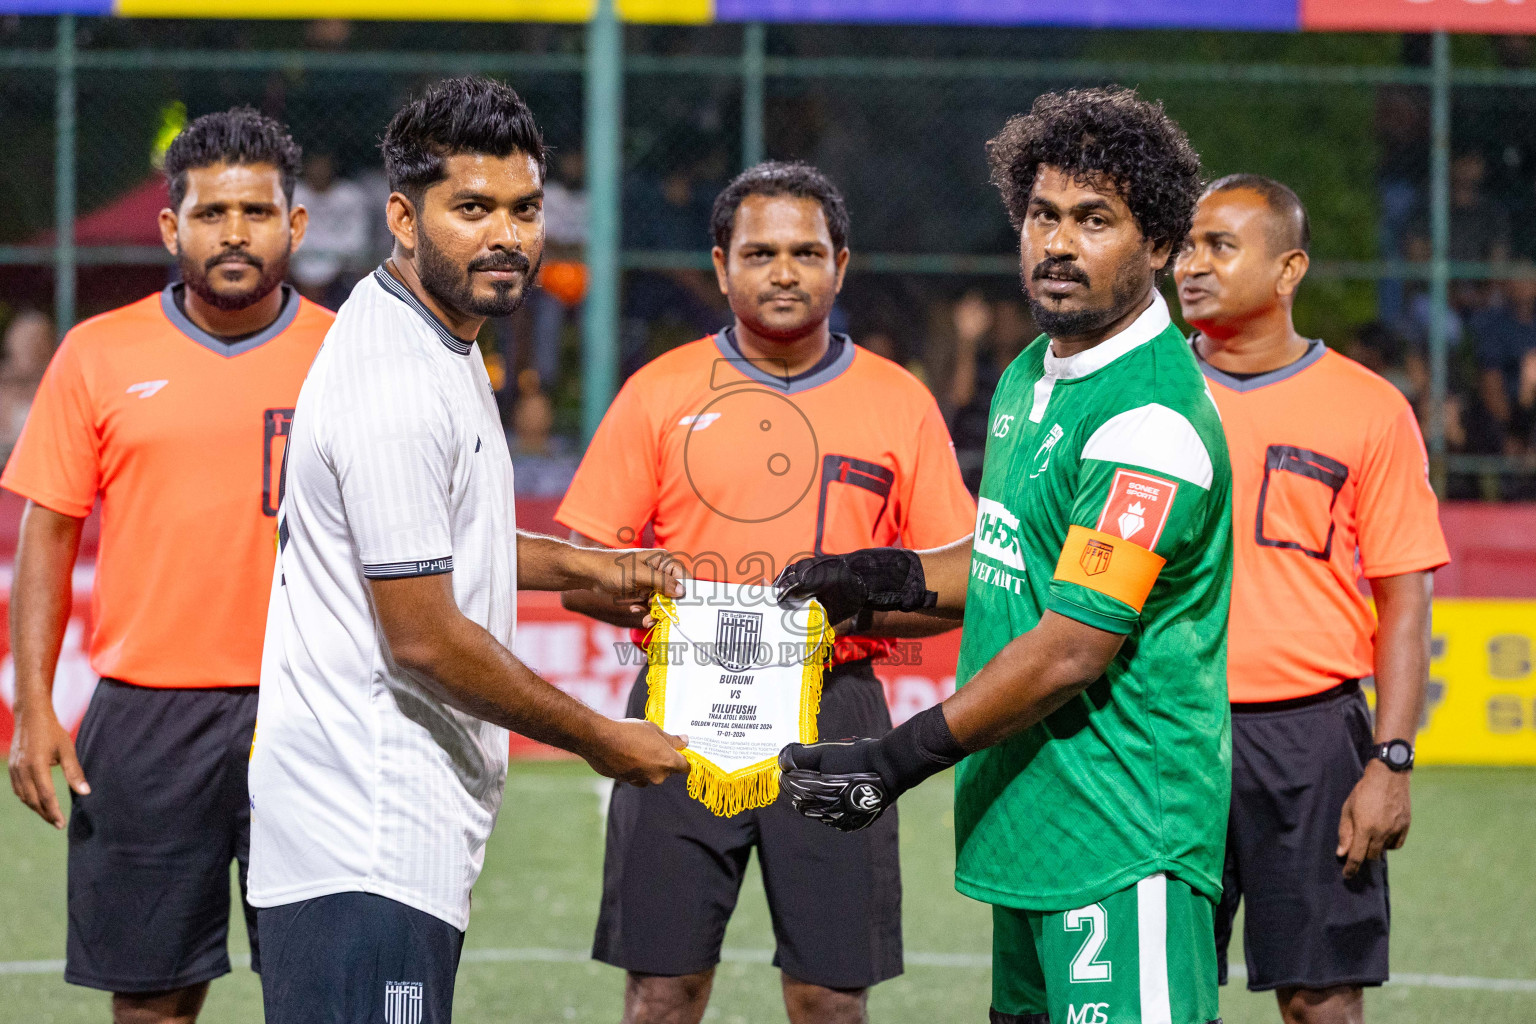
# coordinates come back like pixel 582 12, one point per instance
pixel 361 780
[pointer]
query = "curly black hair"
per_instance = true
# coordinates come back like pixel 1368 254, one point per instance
pixel 468 114
pixel 778 178
pixel 1106 135
pixel 238 136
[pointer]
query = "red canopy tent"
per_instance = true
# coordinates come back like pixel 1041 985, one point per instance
pixel 130 219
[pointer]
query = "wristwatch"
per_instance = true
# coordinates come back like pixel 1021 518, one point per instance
pixel 1395 754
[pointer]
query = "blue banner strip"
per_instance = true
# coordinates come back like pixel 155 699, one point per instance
pixel 1227 15
pixel 1251 15
pixel 55 7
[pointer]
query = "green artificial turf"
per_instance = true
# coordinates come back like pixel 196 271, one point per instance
pixel 1463 900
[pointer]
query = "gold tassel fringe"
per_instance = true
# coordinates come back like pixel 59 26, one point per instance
pixel 725 795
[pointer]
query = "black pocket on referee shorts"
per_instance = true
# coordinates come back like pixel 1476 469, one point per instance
pixel 1358 725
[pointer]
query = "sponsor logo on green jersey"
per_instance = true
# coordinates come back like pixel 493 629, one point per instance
pixel 997 534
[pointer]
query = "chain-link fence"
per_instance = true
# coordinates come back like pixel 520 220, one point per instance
pixel 1415 155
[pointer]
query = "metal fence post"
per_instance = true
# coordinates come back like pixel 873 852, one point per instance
pixel 1440 239
pixel 754 46
pixel 64 176
pixel 604 146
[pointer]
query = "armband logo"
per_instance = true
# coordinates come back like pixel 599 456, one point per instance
pixel 1137 508
pixel 1095 557
pixel 1108 565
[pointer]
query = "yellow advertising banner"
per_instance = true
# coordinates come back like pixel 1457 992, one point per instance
pixel 656 11
pixel 1481 705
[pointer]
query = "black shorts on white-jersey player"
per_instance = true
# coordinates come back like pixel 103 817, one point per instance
pixel 357 958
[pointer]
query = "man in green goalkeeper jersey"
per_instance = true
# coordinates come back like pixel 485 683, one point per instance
pixel 1091 804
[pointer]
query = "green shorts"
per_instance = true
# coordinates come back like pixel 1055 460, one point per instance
pixel 1145 955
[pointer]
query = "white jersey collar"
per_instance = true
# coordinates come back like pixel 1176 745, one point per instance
pixel 1142 330
pixel 398 289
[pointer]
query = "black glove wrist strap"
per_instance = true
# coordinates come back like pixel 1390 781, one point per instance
pixel 893 578
pixel 920 747
pixel 870 579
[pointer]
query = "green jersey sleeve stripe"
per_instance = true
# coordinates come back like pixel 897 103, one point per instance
pixel 1153 437
pixel 1122 620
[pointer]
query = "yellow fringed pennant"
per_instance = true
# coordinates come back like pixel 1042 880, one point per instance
pixel 727 792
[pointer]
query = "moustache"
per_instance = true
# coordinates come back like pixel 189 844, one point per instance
pixel 1058 270
pixel 501 261
pixel 234 256
pixel 785 293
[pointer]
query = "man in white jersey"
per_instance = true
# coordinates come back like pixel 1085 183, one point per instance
pixel 388 684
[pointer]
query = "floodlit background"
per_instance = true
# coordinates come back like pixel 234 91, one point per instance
pixel 1380 134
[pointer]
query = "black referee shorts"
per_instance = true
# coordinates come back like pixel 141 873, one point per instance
pixel 151 844
pixel 673 870
pixel 1294 764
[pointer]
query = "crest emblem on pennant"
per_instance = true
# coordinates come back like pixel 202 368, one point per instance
pixel 737 635
pixel 1095 557
pixel 402 1002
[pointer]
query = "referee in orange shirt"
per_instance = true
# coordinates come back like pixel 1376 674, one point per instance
pixel 173 412
pixel 744 451
pixel 1329 483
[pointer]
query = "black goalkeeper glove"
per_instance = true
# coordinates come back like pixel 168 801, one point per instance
pixel 849 783
pixel 877 579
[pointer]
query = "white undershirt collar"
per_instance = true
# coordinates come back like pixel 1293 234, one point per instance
pixel 1150 324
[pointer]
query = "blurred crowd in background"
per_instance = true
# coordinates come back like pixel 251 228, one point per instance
pixel 953 330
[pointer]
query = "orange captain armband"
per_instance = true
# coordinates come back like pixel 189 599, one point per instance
pixel 1108 565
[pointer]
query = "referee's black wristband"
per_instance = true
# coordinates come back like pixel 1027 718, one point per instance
pixel 920 747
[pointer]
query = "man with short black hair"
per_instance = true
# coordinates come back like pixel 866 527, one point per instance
pixel 388 682
pixel 1090 726
pixel 173 411
pixel 1286 228
pixel 745 450
pixel 1329 485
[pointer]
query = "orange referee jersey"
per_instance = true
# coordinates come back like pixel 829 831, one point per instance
pixel 181 435
pixel 742 471
pixel 1329 483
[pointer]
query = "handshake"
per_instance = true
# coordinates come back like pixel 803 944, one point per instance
pixel 848 784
